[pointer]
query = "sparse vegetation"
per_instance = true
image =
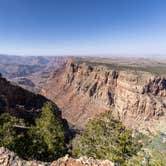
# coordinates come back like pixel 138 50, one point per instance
pixel 153 152
pixel 8 135
pixel 48 136
pixel 126 64
pixel 44 141
pixel 103 138
pixel 106 138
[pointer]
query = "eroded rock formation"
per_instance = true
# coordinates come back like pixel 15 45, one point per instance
pixel 82 91
pixel 8 158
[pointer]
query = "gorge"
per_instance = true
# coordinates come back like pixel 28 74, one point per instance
pixel 83 90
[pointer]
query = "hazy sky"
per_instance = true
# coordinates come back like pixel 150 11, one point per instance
pixel 52 27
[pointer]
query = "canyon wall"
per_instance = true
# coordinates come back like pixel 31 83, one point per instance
pixel 20 102
pixel 82 91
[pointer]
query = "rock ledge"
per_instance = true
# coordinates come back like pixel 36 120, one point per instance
pixel 8 158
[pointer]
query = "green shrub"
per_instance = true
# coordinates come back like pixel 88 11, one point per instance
pixel 148 159
pixel 106 138
pixel 153 151
pixel 8 134
pixel 44 141
pixel 47 136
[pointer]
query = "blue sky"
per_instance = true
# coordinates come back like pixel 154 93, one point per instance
pixel 83 27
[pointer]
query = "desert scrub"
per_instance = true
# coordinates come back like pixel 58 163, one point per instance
pixel 106 138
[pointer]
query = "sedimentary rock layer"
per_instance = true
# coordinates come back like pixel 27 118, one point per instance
pixel 83 91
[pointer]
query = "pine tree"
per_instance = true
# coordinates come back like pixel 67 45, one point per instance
pixel 106 138
pixel 8 134
pixel 48 136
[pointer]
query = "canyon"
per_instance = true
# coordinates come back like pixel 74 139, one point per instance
pixel 80 89
pixel 84 90
pixel 133 90
pixel 29 72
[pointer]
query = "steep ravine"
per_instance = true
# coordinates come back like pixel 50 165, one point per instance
pixel 24 104
pixel 83 91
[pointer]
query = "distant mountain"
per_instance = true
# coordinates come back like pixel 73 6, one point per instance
pixel 26 60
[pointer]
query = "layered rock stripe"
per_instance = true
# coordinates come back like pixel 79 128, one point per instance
pixel 82 91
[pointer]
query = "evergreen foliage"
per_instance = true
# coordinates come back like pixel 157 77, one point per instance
pixel 44 141
pixel 103 138
pixel 48 136
pixel 7 134
pixel 106 138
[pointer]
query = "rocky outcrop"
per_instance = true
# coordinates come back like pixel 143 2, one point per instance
pixel 82 91
pixel 8 158
pixel 156 86
pixel 82 161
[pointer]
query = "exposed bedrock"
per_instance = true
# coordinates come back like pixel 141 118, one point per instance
pixel 8 158
pixel 83 91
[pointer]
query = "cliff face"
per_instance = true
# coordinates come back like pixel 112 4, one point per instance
pixel 82 91
pixel 25 104
pixel 20 102
pixel 8 158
